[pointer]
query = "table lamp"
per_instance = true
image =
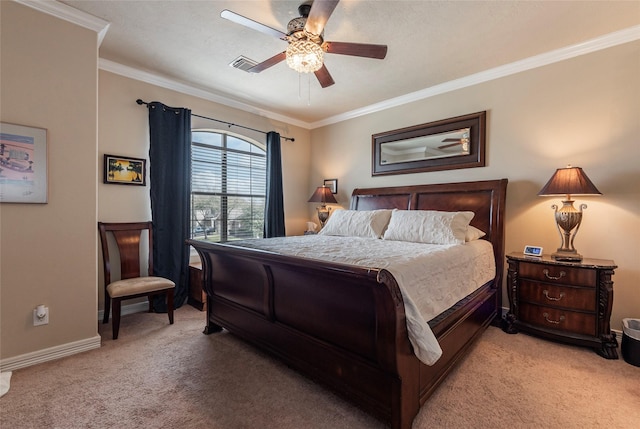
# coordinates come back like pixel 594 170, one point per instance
pixel 568 181
pixel 323 196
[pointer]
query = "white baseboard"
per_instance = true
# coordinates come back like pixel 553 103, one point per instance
pixel 505 310
pixel 618 335
pixel 51 353
pixel 63 350
pixel 139 307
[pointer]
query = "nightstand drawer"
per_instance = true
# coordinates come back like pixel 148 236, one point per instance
pixel 558 274
pixel 556 319
pixel 558 296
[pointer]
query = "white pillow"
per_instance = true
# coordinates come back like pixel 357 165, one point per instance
pixel 428 226
pixel 473 233
pixel 357 223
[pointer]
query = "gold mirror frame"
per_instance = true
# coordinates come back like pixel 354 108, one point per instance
pixel 441 145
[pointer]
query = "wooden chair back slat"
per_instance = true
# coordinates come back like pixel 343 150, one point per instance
pixel 129 248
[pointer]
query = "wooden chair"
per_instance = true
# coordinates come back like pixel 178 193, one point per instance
pixel 131 284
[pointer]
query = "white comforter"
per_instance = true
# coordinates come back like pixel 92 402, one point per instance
pixel 431 277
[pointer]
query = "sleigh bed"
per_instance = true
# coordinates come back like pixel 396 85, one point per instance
pixel 345 326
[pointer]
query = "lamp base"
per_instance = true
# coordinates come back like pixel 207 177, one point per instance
pixel 568 221
pixel 323 214
pixel 561 255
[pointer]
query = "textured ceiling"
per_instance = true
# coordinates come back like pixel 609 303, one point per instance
pixel 430 43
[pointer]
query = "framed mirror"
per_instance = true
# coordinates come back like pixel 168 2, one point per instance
pixel 441 145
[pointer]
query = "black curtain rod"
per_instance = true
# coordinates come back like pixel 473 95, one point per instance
pixel 230 124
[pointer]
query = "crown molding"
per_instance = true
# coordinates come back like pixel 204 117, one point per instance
pixel 184 88
pixel 70 14
pixel 607 41
pixel 100 26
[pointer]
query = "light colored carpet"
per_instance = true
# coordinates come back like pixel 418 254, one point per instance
pixel 158 376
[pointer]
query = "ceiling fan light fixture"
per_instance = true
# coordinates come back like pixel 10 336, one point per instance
pixel 304 56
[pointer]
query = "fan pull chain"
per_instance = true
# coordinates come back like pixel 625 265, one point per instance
pixel 308 87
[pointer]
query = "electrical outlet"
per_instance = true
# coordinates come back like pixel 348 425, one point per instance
pixel 37 321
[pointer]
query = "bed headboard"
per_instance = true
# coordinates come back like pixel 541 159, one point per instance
pixel 485 198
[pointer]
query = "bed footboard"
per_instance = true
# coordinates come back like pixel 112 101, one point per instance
pixel 336 323
pixel 340 325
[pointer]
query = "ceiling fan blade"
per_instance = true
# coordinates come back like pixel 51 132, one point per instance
pixel 324 77
pixel 451 140
pixel 268 63
pixel 239 19
pixel 448 145
pixel 319 14
pixel 356 49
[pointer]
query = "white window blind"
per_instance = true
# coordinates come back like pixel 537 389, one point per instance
pixel 228 187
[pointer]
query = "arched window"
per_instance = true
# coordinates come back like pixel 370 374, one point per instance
pixel 228 186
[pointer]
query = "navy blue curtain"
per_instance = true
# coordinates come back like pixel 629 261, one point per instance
pixel 170 187
pixel 274 205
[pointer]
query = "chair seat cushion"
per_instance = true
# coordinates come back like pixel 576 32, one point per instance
pixel 138 285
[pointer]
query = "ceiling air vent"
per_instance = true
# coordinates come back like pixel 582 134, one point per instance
pixel 243 63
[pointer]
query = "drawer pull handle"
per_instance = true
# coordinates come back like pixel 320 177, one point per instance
pixel 555 322
pixel 546 273
pixel 553 298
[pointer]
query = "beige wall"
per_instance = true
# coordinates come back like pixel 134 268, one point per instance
pixel 124 130
pixel 48 251
pixel 583 111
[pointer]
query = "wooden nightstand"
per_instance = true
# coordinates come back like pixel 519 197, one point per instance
pixel 197 295
pixel 563 301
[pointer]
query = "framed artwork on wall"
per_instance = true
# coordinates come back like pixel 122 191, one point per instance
pixel 124 170
pixel 23 164
pixel 332 184
pixel 441 145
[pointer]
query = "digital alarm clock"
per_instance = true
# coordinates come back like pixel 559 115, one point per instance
pixel 532 251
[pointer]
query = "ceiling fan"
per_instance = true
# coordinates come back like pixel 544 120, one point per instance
pixel 307 46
